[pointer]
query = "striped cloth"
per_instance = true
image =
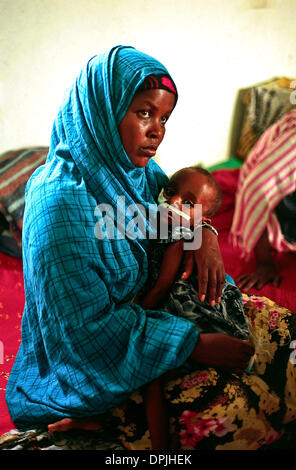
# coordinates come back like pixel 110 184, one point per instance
pixel 266 178
pixel 16 167
pixel 85 346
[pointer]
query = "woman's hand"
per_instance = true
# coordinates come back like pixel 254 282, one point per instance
pixel 222 351
pixel 264 274
pixel 151 300
pixel 266 270
pixel 210 266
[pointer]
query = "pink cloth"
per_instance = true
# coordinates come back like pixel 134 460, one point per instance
pixel 267 177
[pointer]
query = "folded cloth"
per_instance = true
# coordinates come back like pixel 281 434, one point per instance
pixel 183 300
pixel 266 178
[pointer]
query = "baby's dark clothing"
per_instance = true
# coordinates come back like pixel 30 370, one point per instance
pixel 182 300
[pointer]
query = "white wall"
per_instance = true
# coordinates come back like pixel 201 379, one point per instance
pixel 211 48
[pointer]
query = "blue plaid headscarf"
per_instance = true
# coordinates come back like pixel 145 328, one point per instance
pixel 85 347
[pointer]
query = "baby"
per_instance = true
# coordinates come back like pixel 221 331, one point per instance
pixel 166 289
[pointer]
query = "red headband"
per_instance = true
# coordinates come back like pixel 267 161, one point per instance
pixel 158 81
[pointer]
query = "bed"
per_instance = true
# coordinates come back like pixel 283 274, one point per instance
pixel 15 169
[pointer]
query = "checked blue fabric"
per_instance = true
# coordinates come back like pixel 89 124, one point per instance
pixel 85 346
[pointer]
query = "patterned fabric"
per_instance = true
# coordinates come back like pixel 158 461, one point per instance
pixel 158 81
pixel 85 347
pixel 208 409
pixel 16 167
pixel 38 439
pixel 183 301
pixel 266 178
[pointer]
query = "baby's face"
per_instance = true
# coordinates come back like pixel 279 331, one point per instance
pixel 188 187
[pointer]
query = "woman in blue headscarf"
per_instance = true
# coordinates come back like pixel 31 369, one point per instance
pixel 85 345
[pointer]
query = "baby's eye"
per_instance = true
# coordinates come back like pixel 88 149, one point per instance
pixel 168 191
pixel 189 203
pixel 164 119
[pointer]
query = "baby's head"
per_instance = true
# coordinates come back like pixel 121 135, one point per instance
pixel 194 185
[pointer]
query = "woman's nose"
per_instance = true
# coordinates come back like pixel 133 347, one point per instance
pixel 156 130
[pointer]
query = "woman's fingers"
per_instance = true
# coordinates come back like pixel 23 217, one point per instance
pixel 210 267
pixel 264 274
pixel 210 283
pixel 265 279
pixel 277 281
pixel 220 285
pixel 223 351
pixel 256 280
pixel 188 265
pixel 212 288
pixel 202 286
pixel 241 278
pixel 249 280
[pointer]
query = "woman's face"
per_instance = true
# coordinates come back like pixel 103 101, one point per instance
pixel 143 126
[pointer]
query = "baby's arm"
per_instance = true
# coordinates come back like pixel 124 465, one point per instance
pixel 170 264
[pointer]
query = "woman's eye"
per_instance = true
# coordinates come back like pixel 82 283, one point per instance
pixel 145 113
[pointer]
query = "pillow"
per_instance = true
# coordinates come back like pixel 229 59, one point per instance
pixel 16 167
pixel 264 104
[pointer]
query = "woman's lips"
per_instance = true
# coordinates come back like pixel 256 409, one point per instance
pixel 148 151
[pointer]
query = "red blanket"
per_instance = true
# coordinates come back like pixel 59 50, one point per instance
pixel 12 301
pixel 12 286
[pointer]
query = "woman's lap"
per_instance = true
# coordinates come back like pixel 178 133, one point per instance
pixel 210 409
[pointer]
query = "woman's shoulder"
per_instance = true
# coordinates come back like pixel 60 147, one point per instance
pixel 57 207
pixel 56 190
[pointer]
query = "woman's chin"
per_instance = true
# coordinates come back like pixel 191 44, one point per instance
pixel 140 162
